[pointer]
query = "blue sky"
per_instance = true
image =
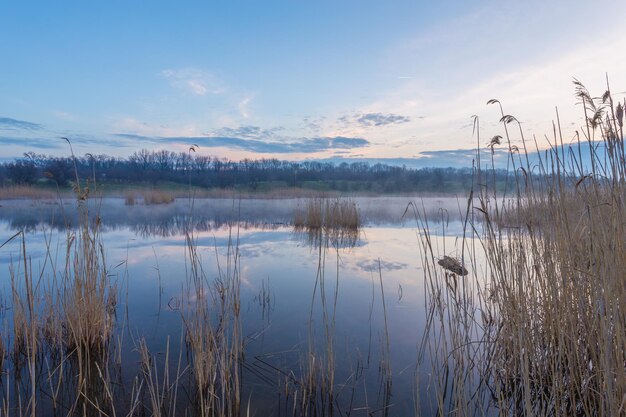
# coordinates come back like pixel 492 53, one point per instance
pixel 296 80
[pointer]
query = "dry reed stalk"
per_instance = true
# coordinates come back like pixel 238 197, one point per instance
pixel 26 328
pixel 3 353
pixel 315 391
pixel 88 298
pixel 163 390
pixel 213 332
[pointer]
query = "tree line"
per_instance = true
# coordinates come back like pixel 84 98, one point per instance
pixel 152 167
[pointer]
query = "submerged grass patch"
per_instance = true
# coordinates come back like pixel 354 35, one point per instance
pixel 157 197
pixel 329 214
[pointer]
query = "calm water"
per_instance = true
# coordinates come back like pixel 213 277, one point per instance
pixel 282 316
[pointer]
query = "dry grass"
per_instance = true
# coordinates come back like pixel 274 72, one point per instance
pixel 157 197
pixel 27 192
pixel 63 329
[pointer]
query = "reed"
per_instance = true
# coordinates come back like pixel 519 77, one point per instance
pixel 26 329
pixel 64 319
pixel 543 332
pixel 162 390
pixel 558 287
pixel 213 332
pixel 3 353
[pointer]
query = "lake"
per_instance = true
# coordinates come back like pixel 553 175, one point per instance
pixel 360 305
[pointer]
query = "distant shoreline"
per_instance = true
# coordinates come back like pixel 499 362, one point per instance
pixel 138 191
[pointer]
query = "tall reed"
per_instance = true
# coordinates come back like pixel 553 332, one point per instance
pixel 543 332
pixel 213 331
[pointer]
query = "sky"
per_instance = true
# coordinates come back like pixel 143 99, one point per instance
pixel 297 80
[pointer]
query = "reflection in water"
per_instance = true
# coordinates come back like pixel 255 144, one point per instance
pixel 177 226
pixel 327 238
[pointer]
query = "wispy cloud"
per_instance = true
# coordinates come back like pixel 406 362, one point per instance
pixel 380 119
pixel 146 129
pixel 30 143
pixel 244 111
pixel 7 123
pixel 54 142
pixel 193 80
pixel 313 123
pixel 301 145
pixel 247 131
pixel 374 119
pixel 462 157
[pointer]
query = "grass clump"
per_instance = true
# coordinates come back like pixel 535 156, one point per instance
pixel 327 214
pixel 334 221
pixel 88 298
pixel 157 197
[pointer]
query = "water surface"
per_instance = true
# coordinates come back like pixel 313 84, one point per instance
pixel 374 287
